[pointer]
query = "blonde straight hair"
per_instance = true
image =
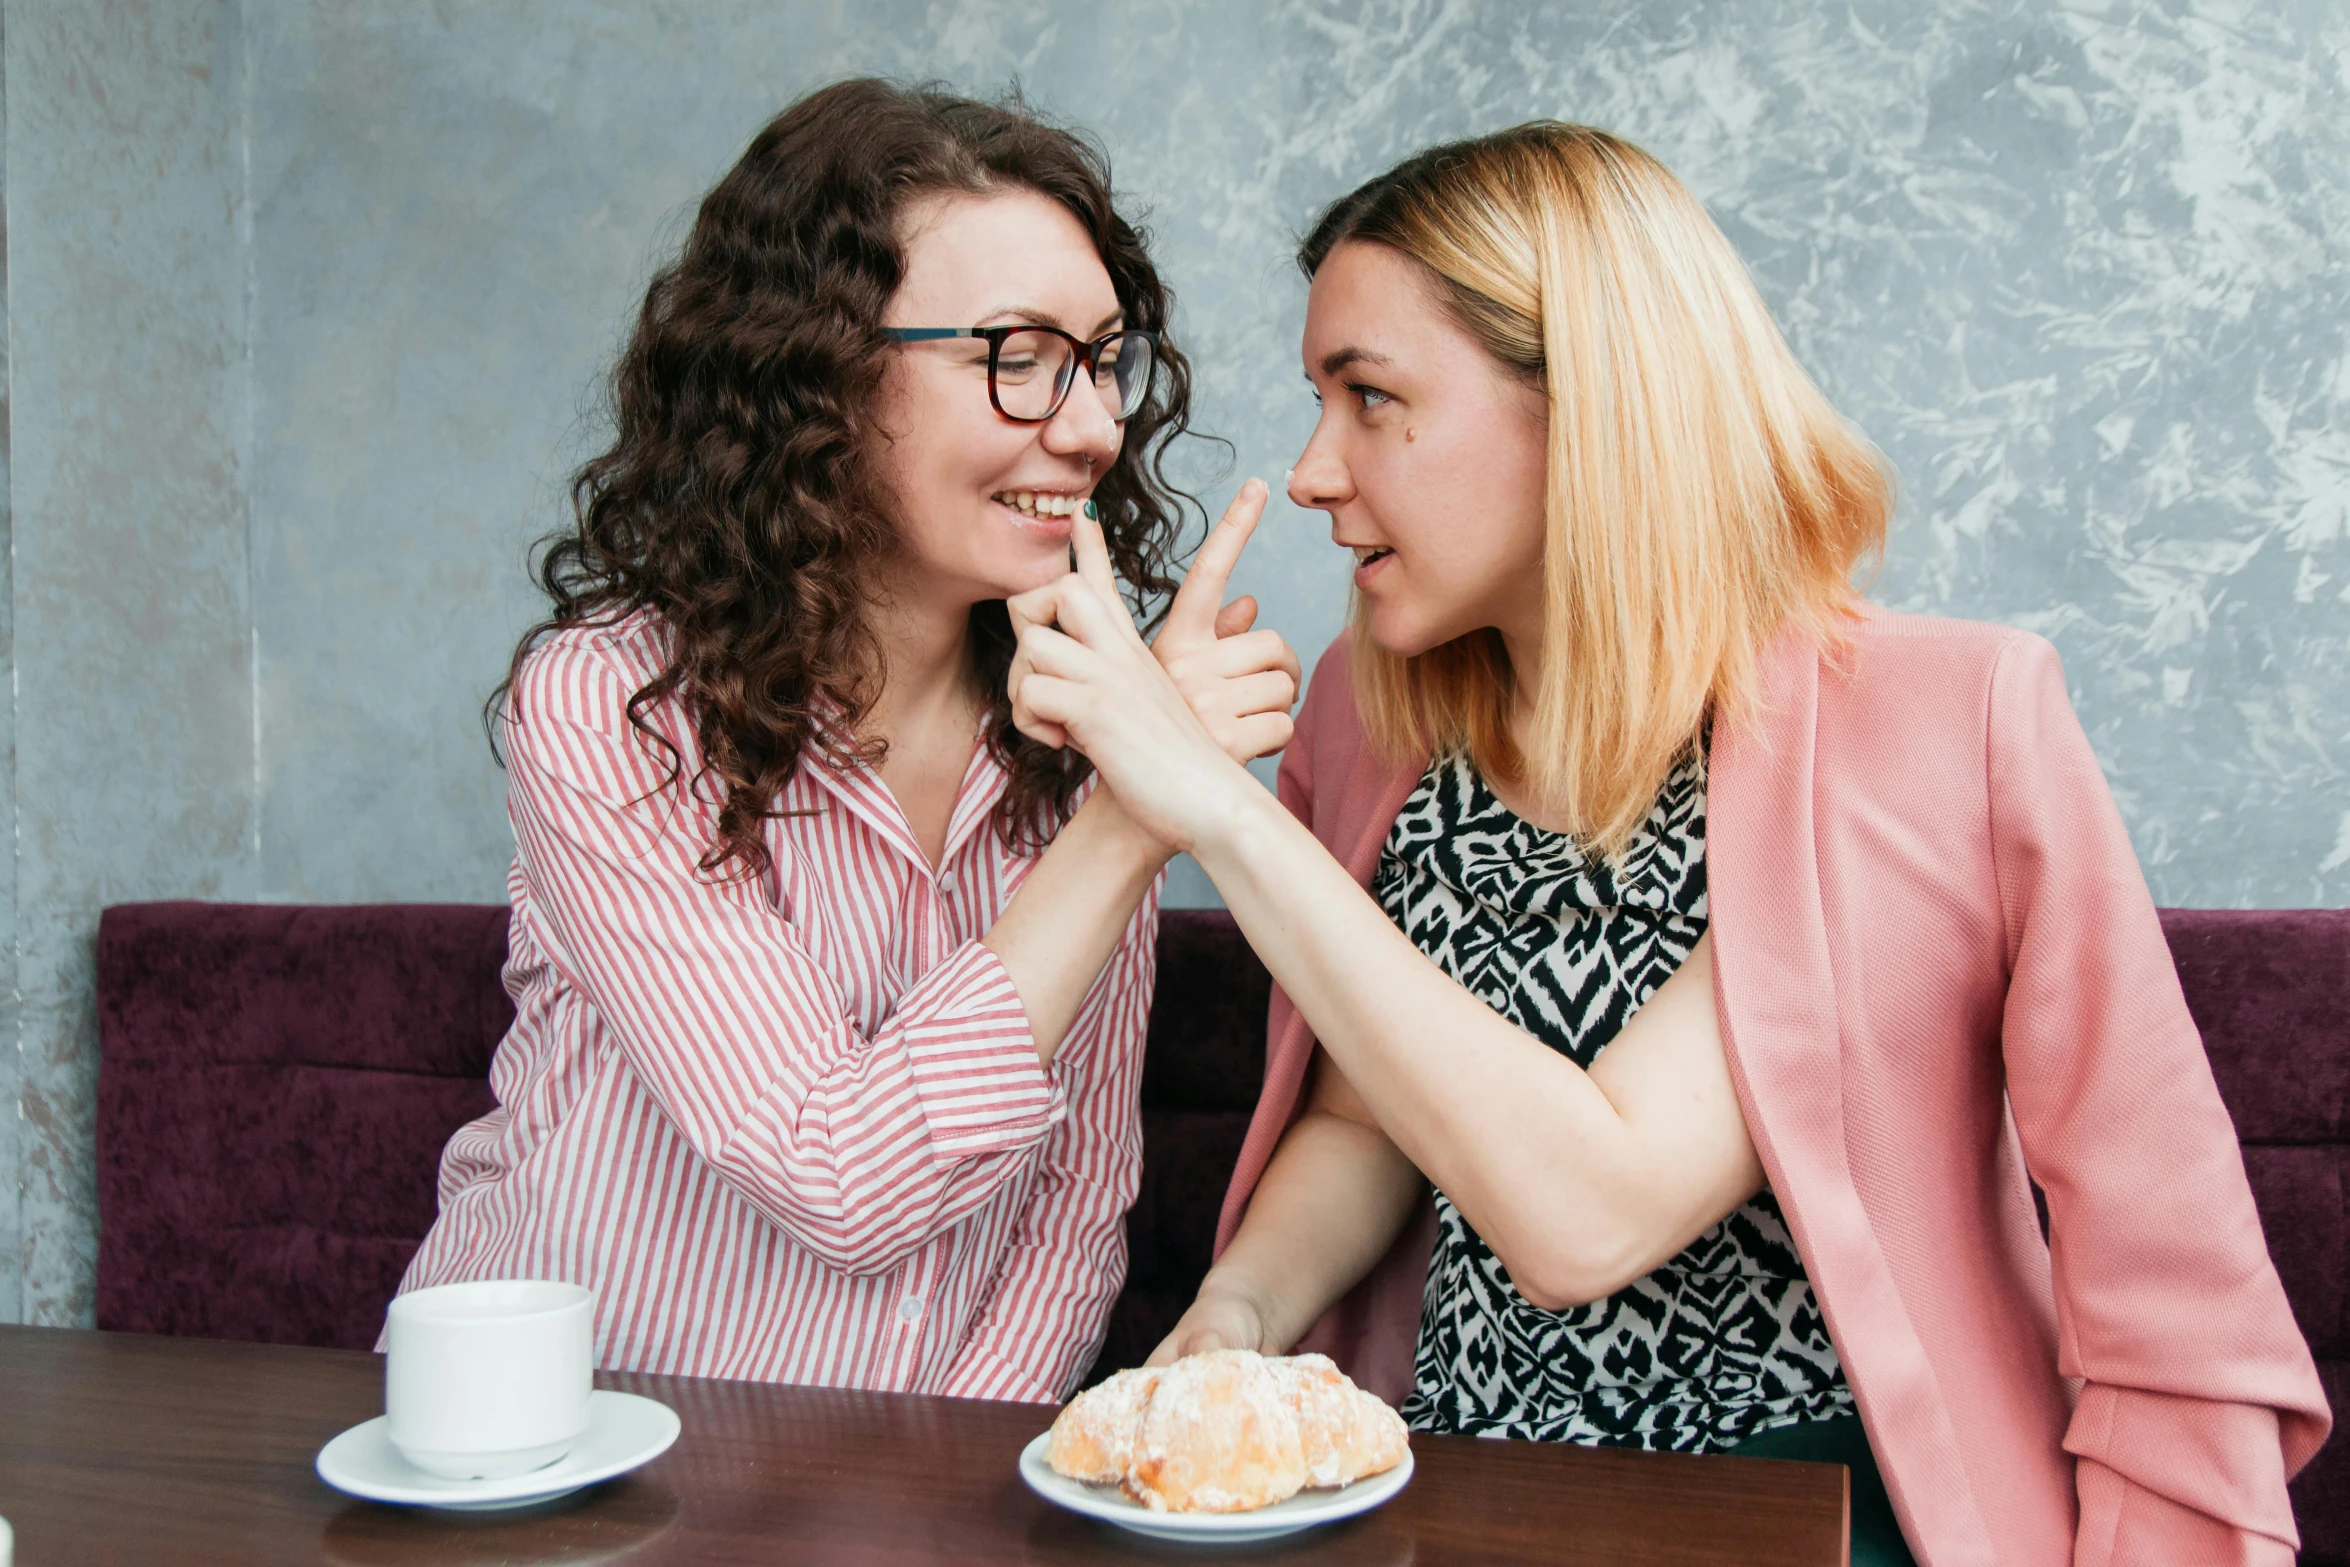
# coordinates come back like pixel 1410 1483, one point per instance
pixel 1702 493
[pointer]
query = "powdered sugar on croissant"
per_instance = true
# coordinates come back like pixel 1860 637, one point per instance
pixel 1093 1440
pixel 1226 1431
pixel 1346 1433
pixel 1219 1436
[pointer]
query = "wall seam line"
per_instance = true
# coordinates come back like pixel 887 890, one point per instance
pixel 245 452
pixel 13 1311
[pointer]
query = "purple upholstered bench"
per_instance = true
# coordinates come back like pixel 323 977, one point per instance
pixel 276 1083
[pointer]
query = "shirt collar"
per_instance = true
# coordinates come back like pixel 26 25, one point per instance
pixel 860 791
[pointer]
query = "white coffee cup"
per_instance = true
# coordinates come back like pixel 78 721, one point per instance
pixel 491 1378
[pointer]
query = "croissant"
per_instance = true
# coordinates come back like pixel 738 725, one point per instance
pixel 1226 1431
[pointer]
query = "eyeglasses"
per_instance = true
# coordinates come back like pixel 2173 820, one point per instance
pixel 1031 368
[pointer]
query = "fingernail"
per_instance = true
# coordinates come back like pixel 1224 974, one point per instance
pixel 1093 511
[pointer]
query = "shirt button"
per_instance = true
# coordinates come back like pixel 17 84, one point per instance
pixel 946 881
pixel 910 1310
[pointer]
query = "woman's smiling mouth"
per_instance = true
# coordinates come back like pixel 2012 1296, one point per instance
pixel 1039 503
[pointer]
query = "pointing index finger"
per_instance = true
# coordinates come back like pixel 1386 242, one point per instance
pixel 1202 593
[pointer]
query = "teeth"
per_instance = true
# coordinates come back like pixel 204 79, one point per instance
pixel 1365 553
pixel 1036 503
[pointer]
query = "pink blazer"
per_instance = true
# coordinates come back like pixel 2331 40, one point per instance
pixel 1938 968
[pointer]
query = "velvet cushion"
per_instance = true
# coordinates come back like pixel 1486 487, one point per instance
pixel 276 1084
pixel 2270 989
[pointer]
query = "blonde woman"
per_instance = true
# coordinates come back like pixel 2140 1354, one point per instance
pixel 1726 955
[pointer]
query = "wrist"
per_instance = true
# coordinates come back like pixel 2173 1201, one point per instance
pixel 1228 1285
pixel 1114 831
pixel 1235 820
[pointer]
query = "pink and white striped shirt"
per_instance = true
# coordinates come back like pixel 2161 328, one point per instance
pixel 790 1129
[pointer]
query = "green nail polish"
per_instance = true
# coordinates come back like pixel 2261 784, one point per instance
pixel 1093 511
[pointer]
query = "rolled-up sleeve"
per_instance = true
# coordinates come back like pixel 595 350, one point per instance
pixel 861 1145
pixel 1049 1303
pixel 2198 1395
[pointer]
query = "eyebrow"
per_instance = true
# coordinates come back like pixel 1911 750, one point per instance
pixel 1047 318
pixel 1341 358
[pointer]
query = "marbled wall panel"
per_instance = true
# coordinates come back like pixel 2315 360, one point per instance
pixel 134 758
pixel 454 214
pixel 2079 270
pixel 2076 269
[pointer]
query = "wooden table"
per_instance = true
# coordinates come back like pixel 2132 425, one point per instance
pixel 117 1448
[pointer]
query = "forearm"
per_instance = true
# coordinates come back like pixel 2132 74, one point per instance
pixel 1569 1183
pixel 1577 1190
pixel 1330 1204
pixel 1069 915
pixel 1077 900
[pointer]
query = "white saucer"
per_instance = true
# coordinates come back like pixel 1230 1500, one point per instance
pixel 623 1432
pixel 1305 1510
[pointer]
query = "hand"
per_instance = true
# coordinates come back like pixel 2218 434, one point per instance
pixel 1083 676
pixel 1219 1319
pixel 1228 673
pixel 1225 671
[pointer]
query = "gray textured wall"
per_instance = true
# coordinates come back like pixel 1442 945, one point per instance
pixel 307 303
pixel 130 607
pixel 11 1183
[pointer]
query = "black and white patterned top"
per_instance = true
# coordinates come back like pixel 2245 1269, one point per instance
pixel 1721 1343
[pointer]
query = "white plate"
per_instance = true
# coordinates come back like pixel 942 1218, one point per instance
pixel 623 1432
pixel 1305 1510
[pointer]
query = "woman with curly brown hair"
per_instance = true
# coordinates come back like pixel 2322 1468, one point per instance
pixel 830 984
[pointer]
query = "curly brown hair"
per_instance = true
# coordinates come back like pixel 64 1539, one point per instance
pixel 736 500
